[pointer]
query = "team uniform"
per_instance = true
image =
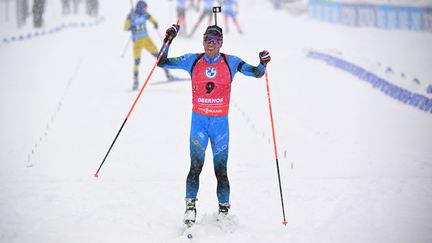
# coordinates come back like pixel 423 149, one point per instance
pixel 136 23
pixel 211 89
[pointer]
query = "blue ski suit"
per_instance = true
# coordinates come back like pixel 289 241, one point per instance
pixel 210 118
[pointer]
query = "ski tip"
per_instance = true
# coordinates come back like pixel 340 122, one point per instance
pixel 96 175
pixel 285 222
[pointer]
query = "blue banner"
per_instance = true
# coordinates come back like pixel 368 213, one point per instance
pixel 372 15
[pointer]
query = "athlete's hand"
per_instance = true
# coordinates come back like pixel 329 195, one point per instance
pixel 264 57
pixel 171 33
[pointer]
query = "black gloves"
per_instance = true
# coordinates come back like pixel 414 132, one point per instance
pixel 264 57
pixel 171 33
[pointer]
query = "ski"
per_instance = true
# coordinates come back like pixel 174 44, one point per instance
pixel 170 81
pixel 135 87
pixel 190 217
pixel 188 232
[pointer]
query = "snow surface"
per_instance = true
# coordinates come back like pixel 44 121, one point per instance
pixel 356 165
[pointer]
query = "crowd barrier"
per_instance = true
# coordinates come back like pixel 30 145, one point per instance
pixel 373 15
pixel 49 31
pixel 403 95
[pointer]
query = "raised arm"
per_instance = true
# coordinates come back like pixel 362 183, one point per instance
pixel 238 65
pixel 184 62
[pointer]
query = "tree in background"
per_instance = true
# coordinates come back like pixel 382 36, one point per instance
pixel 92 7
pixel 38 11
pixel 22 12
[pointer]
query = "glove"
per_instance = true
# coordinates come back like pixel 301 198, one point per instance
pixel 171 33
pixel 155 25
pixel 264 57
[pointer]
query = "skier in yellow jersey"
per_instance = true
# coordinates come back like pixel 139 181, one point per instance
pixel 136 23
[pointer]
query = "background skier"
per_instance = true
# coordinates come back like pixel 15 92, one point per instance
pixel 230 11
pixel 207 11
pixel 181 14
pixel 136 22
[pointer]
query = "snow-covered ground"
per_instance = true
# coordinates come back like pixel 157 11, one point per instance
pixel 356 165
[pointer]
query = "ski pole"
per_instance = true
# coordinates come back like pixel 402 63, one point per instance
pixel 165 45
pixel 128 41
pixel 125 48
pixel 275 147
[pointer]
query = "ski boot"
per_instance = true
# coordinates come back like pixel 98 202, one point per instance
pixel 135 85
pixel 223 210
pixel 190 213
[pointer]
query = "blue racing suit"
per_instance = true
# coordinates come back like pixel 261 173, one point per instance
pixel 210 126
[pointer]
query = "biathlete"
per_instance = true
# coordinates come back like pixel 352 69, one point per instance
pixel 136 23
pixel 181 14
pixel 207 11
pixel 211 73
pixel 230 10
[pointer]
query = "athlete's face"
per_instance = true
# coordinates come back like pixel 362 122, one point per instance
pixel 212 45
